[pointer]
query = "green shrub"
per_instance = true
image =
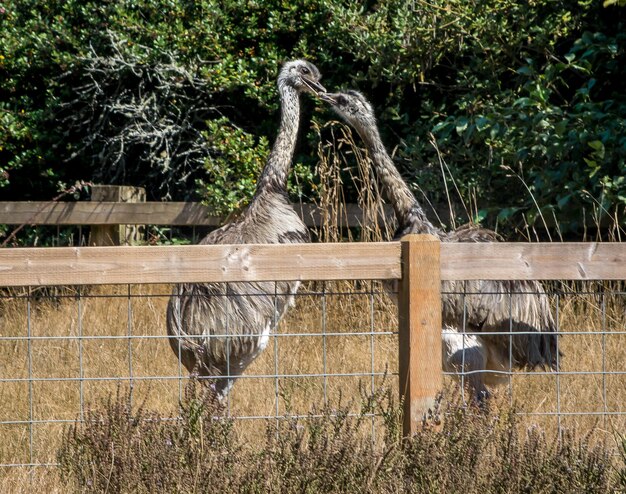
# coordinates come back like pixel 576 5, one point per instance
pixel 500 91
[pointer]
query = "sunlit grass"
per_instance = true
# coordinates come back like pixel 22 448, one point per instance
pixel 82 370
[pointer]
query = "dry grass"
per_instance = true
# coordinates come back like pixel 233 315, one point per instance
pixel 119 450
pixel 593 356
pixel 108 311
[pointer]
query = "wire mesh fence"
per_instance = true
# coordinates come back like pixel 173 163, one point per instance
pixel 65 349
pixel 68 348
pixel 587 388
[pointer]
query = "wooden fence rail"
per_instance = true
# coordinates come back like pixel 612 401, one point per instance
pixel 419 262
pixel 377 260
pixel 197 263
pixel 151 213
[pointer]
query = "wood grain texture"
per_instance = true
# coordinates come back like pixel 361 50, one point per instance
pixel 533 261
pixel 116 234
pixel 419 339
pixel 198 263
pixel 502 261
pixel 107 213
pixel 150 213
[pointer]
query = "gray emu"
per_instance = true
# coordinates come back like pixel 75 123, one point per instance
pixel 218 329
pixel 478 307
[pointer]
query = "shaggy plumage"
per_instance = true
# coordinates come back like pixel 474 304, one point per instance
pixel 218 329
pixel 481 306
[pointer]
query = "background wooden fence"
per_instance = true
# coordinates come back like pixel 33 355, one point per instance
pixel 146 213
pixel 116 212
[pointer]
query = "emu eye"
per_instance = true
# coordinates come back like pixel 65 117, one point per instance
pixel 342 100
pixel 305 70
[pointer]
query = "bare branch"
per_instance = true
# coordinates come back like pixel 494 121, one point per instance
pixel 138 107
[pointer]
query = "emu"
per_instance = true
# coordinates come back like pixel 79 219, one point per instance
pixel 478 307
pixel 216 329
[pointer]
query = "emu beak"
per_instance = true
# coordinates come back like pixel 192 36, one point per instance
pixel 329 98
pixel 315 87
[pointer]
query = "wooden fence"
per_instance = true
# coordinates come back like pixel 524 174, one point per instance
pixel 117 214
pixel 419 262
pixel 149 213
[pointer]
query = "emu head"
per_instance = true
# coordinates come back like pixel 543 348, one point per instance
pixel 302 76
pixel 354 108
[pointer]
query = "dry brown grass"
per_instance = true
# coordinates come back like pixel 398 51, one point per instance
pixel 107 311
pixel 594 358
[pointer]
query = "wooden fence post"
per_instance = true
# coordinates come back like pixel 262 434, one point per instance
pixel 116 234
pixel 419 306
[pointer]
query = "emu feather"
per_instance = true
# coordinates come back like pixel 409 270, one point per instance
pixel 479 307
pixel 217 330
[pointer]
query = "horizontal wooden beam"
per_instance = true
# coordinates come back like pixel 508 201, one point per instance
pixel 533 261
pixel 196 263
pixel 153 213
pixel 107 213
pixel 172 213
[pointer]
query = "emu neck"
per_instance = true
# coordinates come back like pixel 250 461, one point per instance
pixel 410 215
pixel 273 179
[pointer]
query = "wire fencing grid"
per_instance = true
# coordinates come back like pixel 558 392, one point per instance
pixel 588 387
pixel 66 349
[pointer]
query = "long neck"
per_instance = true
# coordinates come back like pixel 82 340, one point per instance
pixel 273 179
pixel 409 213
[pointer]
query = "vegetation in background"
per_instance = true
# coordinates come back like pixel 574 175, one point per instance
pixel 520 104
pixel 117 450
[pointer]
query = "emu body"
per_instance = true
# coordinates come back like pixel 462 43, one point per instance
pixel 482 308
pixel 217 330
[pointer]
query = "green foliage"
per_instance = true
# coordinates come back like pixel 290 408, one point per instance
pixel 142 83
pixel 565 140
pixel 510 91
pixel 228 188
